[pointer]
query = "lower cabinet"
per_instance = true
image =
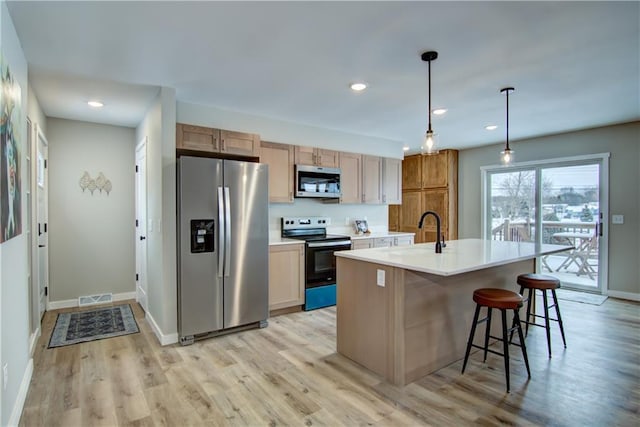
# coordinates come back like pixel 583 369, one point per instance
pixel 381 242
pixel 286 276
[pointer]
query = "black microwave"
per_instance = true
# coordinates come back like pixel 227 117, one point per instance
pixel 317 181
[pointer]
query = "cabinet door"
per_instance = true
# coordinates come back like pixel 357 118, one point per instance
pixel 350 176
pixel 279 157
pixel 438 202
pixel 394 217
pixel 383 242
pixel 198 138
pixel 305 155
pixel 412 172
pixel 371 179
pixel 327 158
pixel 403 241
pixel 286 276
pixel 411 212
pixel 440 170
pixel 392 181
pixel 361 243
pixel 239 143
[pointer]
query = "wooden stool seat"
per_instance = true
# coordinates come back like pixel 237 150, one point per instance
pixel 503 300
pixel 497 298
pixel 538 281
pixel 543 283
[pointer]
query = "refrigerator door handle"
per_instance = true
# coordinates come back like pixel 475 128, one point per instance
pixel 221 221
pixel 227 232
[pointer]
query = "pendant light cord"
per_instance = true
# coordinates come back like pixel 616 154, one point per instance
pixel 508 149
pixel 429 112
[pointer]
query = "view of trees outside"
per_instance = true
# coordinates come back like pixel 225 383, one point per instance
pixel 569 195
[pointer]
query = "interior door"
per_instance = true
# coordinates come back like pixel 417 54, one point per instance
pixel 42 212
pixel 141 224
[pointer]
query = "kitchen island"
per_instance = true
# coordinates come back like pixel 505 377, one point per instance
pixel 404 312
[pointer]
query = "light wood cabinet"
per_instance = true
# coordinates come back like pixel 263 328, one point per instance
pixel 432 186
pixel 279 157
pixel 316 156
pixel 210 140
pixel 362 243
pixel 350 177
pixel 197 138
pixel 239 143
pixel 383 242
pixel 371 179
pixel 394 218
pixel 286 276
pixel 391 181
pixel 403 240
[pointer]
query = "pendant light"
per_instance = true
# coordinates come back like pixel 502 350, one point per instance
pixel 429 146
pixel 507 155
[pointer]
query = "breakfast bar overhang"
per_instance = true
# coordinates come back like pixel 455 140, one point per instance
pixel 404 312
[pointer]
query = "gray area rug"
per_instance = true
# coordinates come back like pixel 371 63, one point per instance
pixel 583 297
pixel 101 323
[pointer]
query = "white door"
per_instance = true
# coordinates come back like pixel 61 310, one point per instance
pixel 141 223
pixel 42 206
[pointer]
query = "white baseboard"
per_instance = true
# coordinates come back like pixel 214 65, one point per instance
pixel 68 303
pixel 624 295
pixel 16 413
pixel 33 339
pixel 164 339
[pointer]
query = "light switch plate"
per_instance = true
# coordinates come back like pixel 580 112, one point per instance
pixel 617 219
pixel 380 279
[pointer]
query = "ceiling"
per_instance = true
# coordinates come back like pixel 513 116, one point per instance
pixel 574 65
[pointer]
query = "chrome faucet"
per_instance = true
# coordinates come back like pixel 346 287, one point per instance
pixel 438 244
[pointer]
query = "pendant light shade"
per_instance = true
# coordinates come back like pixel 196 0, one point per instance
pixel 507 155
pixel 429 145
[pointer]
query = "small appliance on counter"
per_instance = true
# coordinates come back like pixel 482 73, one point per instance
pixel 320 261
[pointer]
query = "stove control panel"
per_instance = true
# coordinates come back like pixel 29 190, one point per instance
pixel 294 223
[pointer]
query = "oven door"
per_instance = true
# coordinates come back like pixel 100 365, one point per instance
pixel 321 262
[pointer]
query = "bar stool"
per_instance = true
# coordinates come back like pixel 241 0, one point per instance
pixel 502 300
pixel 543 283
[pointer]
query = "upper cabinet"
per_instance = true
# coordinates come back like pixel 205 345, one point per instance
pixel 350 177
pixel 279 157
pixel 440 170
pixel 371 179
pixel 316 156
pixel 200 138
pixel 391 181
pixel 412 173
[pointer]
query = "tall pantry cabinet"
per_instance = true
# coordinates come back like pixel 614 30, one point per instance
pixel 429 183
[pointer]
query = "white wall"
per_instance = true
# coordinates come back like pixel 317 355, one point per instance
pixel 91 236
pixel 287 132
pixel 622 141
pixel 14 299
pixel 158 127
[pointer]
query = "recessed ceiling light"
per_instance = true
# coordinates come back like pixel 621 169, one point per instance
pixel 358 86
pixel 491 127
pixel 439 111
pixel 405 148
pixel 95 104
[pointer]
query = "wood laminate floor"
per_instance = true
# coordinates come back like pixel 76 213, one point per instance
pixel 290 374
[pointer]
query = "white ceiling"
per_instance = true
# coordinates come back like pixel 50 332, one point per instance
pixel 574 65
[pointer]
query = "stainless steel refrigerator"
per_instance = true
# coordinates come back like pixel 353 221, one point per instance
pixel 223 239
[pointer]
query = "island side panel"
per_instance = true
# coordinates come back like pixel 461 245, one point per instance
pixel 365 315
pixel 439 311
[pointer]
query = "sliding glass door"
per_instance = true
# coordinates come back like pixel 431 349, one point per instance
pixel 558 202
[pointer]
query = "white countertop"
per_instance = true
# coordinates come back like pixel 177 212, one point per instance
pixel 459 256
pixel 277 240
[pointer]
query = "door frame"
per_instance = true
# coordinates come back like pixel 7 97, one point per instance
pixel 41 167
pixel 603 160
pixel 34 319
pixel 141 226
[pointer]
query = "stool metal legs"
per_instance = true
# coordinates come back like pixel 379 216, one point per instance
pixel 547 319
pixel 506 332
